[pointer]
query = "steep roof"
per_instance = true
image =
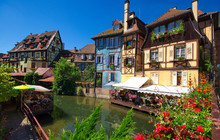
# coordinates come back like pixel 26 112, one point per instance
pixel 35 39
pixel 42 71
pixel 138 26
pixel 88 49
pixel 170 14
pixel 110 31
pixel 5 56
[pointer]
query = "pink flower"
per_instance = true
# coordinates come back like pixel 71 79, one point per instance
pixel 199 129
pixel 139 137
pixel 200 137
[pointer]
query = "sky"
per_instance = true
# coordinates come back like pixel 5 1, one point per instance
pixel 77 20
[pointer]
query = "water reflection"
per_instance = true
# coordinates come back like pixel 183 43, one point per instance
pixel 68 108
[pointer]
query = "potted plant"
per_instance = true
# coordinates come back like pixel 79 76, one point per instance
pixel 128 65
pixel 138 69
pixel 129 47
pixel 153 61
pixel 111 65
pixel 31 47
pixel 153 36
pixel 181 58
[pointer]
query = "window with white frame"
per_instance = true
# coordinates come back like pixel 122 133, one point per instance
pixel 116 27
pixel 154 54
pixel 180 51
pixel 98 59
pixel 112 42
pixel 111 59
pixel 112 77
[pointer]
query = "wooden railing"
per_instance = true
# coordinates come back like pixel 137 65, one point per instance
pixel 35 124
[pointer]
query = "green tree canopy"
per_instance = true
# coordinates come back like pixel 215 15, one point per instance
pixel 89 73
pixel 65 76
pixel 32 78
pixel 6 83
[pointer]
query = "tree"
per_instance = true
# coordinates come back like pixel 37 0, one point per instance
pixel 6 83
pixel 89 73
pixel 65 76
pixel 32 78
pixel 86 129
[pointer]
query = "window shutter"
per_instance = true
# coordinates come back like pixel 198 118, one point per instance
pixel 101 43
pixel 116 42
pixel 106 60
pixel 96 59
pixel 101 59
pixel 184 79
pixel 171 53
pixel 156 78
pixel 109 76
pixel 116 59
pixel 107 42
pixel 189 49
pixel 147 56
pixel 160 58
pixel 174 78
pixel 152 78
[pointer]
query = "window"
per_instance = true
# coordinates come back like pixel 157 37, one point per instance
pixel 180 51
pixel 112 42
pixel 111 58
pixel 129 43
pixel 29 54
pixel 22 57
pixel 33 54
pixel 21 67
pixel 154 55
pixel 25 69
pixel 37 54
pixel 173 25
pixel 33 65
pixel 83 57
pixel 17 65
pixel 162 28
pixel 82 66
pixel 111 77
pixel 44 65
pixel 98 59
pixel 129 61
pixel 116 27
pixel 100 41
pixel 42 54
pixel 179 78
pixel 90 56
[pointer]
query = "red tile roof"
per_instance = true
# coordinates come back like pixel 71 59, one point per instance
pixel 169 14
pixel 42 71
pixel 88 49
pixel 18 74
pixel 49 79
pixel 35 39
pixel 5 56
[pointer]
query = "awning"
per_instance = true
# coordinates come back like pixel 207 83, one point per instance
pixel 39 88
pixel 165 90
pixel 110 83
pixel 134 83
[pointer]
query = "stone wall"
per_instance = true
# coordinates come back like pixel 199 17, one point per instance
pixel 100 93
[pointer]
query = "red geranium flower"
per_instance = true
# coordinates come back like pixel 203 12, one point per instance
pixel 183 126
pixel 197 109
pixel 199 129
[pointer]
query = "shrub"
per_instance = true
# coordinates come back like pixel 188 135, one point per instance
pixel 79 91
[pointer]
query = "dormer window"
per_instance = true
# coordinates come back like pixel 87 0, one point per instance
pixel 83 56
pixel 160 29
pixel 90 57
pixel 116 27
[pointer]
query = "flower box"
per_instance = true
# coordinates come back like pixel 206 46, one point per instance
pixel 45 39
pixel 111 66
pixel 32 58
pixel 29 41
pixel 24 48
pixel 129 65
pixel 31 47
pixel 129 47
pixel 41 46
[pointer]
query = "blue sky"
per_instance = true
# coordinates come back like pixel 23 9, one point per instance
pixel 77 20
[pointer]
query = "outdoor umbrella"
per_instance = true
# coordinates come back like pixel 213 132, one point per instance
pixel 22 88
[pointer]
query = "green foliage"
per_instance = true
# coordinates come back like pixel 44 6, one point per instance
pixel 153 61
pixel 86 129
pixel 209 65
pixel 128 65
pixel 153 36
pixel 89 73
pixel 79 91
pixel 65 76
pixel 32 78
pixel 6 83
pixel 181 58
pixel 129 47
pixel 138 68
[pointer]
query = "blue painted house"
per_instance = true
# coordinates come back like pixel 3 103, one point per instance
pixel 109 53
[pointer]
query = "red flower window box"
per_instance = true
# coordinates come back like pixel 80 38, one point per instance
pixel 31 47
pixel 29 41
pixel 41 46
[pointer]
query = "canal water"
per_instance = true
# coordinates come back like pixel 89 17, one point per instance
pixel 68 108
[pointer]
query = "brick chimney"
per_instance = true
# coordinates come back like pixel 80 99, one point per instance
pixel 75 49
pixel 126 14
pixel 195 9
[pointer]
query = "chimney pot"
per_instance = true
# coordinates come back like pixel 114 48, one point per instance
pixel 74 49
pixel 195 9
pixel 174 7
